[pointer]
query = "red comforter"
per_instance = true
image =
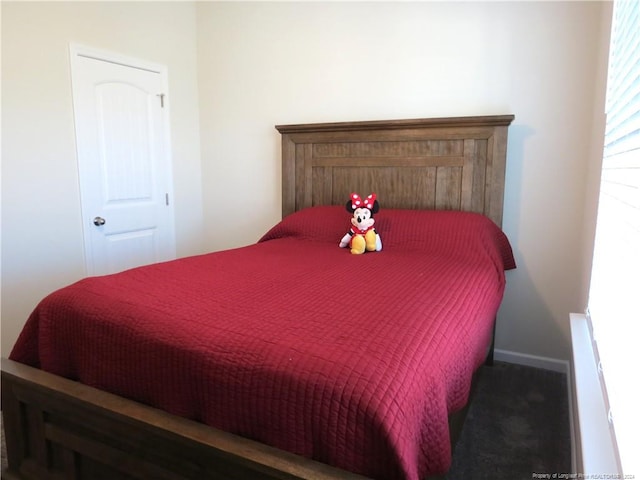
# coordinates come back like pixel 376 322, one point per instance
pixel 353 360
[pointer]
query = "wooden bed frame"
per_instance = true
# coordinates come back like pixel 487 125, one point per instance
pixel 60 429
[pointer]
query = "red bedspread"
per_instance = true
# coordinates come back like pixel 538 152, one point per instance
pixel 353 360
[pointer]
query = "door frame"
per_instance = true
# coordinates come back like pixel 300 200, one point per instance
pixel 77 51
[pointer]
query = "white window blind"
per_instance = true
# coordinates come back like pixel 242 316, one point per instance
pixel 614 296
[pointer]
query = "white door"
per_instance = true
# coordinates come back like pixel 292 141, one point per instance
pixel 121 120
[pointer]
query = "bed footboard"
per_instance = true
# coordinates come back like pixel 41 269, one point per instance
pixel 60 429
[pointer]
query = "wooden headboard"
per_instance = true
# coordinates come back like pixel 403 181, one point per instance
pixel 435 163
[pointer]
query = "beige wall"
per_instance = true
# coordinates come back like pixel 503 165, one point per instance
pixel 261 64
pixel 42 247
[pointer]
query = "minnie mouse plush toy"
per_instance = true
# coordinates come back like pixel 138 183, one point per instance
pixel 362 236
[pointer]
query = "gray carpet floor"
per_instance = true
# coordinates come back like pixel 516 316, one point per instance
pixel 517 425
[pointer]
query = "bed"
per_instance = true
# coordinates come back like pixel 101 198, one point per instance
pixel 289 358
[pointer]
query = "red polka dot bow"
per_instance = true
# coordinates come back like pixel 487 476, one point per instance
pixel 357 202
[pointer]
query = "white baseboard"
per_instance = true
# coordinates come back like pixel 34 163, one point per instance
pixel 536 361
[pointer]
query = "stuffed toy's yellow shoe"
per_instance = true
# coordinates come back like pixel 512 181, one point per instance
pixel 370 240
pixel 358 244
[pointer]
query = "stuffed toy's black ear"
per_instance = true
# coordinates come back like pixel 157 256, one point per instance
pixel 348 206
pixel 376 207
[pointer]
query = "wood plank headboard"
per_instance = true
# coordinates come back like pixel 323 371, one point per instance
pixel 437 163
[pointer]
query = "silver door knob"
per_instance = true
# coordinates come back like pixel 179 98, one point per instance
pixel 99 221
